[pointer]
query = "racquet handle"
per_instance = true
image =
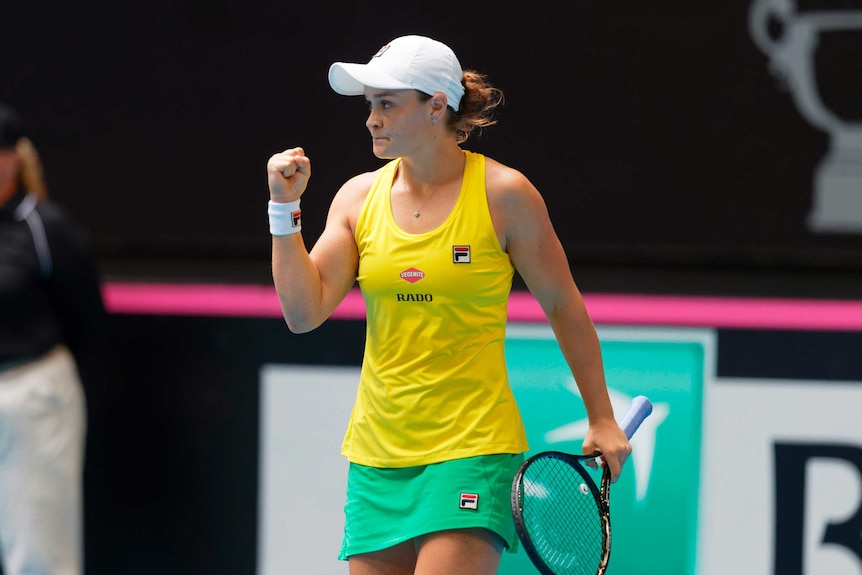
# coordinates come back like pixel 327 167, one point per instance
pixel 639 410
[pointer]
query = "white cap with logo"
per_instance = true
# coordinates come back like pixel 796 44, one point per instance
pixel 405 63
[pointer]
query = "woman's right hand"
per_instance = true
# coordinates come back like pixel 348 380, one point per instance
pixel 288 173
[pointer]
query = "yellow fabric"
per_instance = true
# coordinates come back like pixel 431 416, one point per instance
pixel 434 384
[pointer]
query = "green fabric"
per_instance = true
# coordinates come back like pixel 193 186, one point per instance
pixel 386 507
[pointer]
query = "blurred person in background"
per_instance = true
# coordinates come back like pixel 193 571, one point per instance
pixel 52 329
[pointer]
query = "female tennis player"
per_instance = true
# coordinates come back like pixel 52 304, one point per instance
pixel 433 239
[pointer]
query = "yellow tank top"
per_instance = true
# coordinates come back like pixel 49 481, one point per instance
pixel 434 384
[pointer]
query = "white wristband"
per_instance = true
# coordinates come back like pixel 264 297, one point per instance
pixel 284 219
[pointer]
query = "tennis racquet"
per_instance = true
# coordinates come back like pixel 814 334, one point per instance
pixel 561 516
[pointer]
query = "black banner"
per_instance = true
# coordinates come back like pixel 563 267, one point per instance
pixel 715 134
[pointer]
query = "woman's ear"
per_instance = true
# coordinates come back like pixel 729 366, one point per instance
pixel 439 102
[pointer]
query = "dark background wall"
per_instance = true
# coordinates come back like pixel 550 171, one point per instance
pixel 171 477
pixel 670 157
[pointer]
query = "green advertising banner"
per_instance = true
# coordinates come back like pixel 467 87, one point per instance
pixel 654 503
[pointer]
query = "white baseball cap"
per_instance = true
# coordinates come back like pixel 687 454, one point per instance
pixel 405 63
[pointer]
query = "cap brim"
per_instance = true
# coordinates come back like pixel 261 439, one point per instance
pixel 351 79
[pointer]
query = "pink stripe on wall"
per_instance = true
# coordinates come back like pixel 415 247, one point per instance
pixel 208 299
pixel 727 312
pixel 608 309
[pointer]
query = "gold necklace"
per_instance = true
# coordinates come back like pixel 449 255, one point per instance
pixel 416 213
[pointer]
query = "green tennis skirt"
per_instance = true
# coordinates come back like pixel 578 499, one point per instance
pixel 386 507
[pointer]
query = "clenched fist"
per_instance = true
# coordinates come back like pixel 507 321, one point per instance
pixel 288 173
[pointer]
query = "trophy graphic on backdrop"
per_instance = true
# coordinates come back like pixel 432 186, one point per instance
pixel 837 196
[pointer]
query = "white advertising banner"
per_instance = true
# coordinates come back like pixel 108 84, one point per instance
pixel 733 475
pixel 303 476
pixel 781 486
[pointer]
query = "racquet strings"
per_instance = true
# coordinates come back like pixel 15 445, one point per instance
pixel 561 513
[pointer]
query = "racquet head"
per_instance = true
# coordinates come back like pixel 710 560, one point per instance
pixel 561 515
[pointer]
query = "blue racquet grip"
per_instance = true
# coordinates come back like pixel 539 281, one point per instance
pixel 639 410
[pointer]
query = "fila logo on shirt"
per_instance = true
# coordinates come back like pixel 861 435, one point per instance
pixel 469 501
pixel 461 254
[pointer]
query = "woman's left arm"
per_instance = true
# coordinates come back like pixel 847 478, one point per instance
pixel 527 233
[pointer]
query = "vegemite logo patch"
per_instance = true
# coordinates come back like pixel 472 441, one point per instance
pixel 461 254
pixel 412 275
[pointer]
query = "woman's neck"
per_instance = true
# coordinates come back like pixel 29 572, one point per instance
pixel 419 174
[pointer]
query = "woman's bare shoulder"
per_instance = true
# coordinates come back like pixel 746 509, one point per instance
pixel 505 183
pixel 350 198
pixel 356 188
